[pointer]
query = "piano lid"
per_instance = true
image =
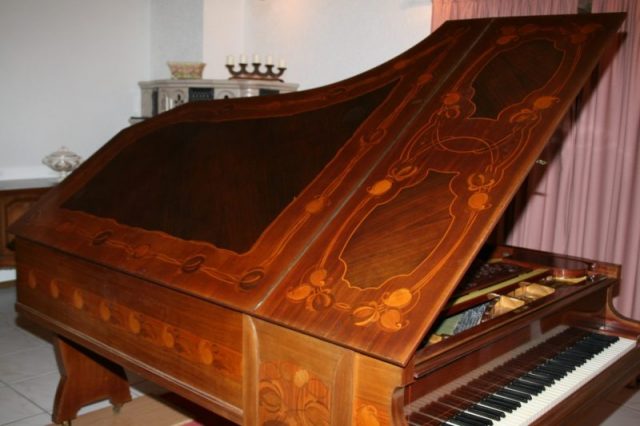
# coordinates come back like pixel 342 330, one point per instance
pixel 348 212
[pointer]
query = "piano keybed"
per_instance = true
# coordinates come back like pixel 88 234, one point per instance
pixel 520 386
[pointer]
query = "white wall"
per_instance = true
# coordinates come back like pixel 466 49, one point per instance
pixel 68 76
pixel 224 34
pixel 176 34
pixel 324 41
pixel 69 68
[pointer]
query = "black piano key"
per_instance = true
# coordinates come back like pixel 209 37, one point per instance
pixel 603 337
pixel 553 369
pixel 569 360
pixel 490 398
pixel 541 380
pixel 526 387
pixel 449 412
pixel 532 384
pixel 512 394
pixel 486 412
pixel 589 349
pixel 590 346
pixel 561 365
pixel 474 420
pixel 459 422
pixel 495 406
pixel 552 373
pixel 547 375
pixel 594 343
pixel 471 406
pixel 582 353
pixel 482 400
pixel 501 403
pixel 586 353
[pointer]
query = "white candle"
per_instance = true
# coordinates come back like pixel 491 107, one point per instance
pixel 269 60
pixel 243 59
pixel 230 60
pixel 256 59
pixel 282 64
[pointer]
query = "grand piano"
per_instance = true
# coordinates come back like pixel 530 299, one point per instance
pixel 325 257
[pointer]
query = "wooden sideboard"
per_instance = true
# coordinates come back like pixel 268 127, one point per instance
pixel 16 196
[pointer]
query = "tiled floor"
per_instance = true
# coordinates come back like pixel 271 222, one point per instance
pixel 29 376
pixel 29 373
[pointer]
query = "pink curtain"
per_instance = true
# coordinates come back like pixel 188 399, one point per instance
pixel 587 201
pixel 445 10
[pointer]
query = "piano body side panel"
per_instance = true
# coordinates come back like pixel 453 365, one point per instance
pixel 378 397
pixel 291 378
pixel 187 345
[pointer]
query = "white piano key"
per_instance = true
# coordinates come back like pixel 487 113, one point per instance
pixel 545 400
pixel 563 388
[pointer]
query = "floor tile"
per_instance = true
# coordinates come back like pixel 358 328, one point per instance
pixel 19 366
pixel 93 407
pixel 629 397
pixel 37 420
pixel 622 416
pixel 7 300
pixel 14 407
pixel 634 401
pixel 15 339
pixel 8 319
pixel 40 390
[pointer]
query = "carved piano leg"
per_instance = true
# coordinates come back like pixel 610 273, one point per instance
pixel 86 378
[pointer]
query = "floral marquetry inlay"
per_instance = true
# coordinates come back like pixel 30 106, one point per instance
pixel 147 328
pixel 443 180
pixel 367 415
pixel 289 395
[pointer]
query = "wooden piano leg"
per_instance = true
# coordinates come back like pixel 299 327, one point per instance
pixel 86 378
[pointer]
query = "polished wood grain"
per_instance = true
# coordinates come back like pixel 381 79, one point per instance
pixel 86 378
pixel 292 259
pixel 361 203
pixel 16 198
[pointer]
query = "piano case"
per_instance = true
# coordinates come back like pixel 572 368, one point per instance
pixel 317 257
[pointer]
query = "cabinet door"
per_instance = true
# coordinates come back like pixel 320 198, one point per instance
pixel 13 205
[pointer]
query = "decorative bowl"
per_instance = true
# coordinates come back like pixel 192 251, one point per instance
pixel 186 70
pixel 62 161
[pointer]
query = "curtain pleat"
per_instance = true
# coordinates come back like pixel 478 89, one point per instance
pixel 622 135
pixel 444 10
pixel 586 200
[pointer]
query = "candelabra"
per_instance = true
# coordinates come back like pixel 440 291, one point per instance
pixel 270 72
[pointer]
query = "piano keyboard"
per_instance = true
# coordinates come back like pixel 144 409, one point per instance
pixel 520 386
